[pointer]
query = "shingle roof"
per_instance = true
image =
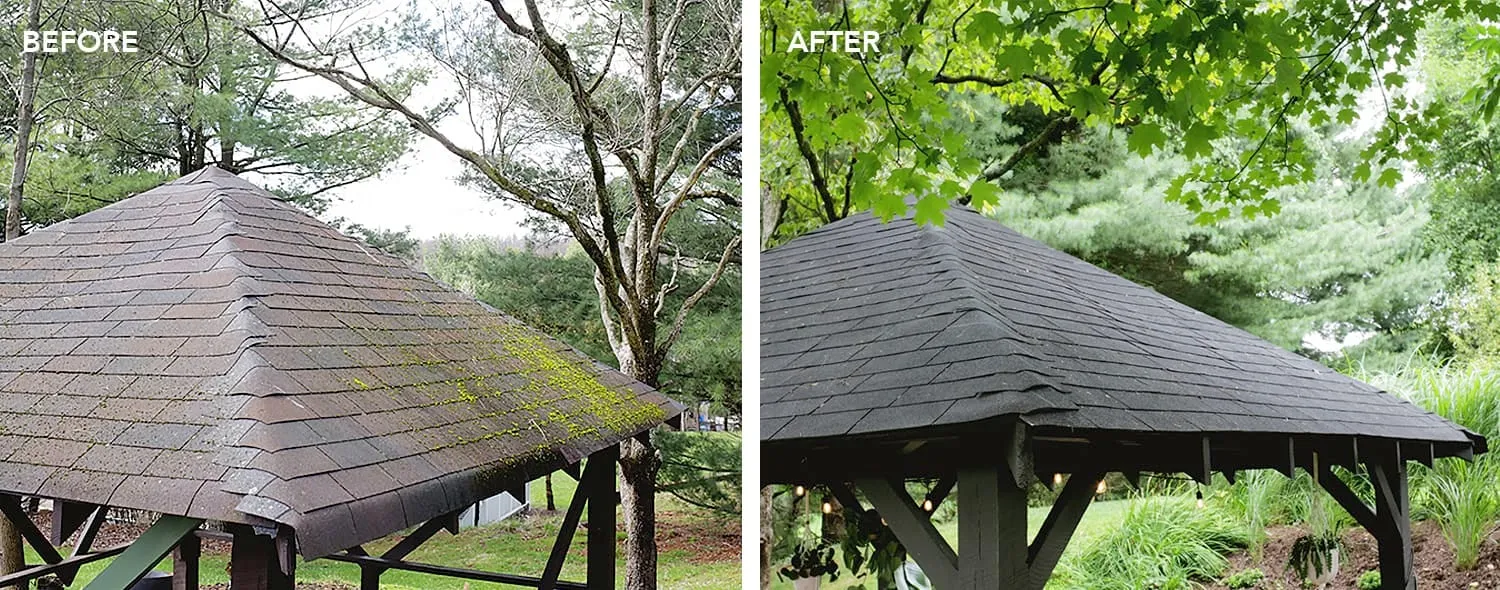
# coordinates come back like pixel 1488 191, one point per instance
pixel 203 349
pixel 871 327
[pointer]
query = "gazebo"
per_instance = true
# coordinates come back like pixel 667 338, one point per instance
pixel 972 355
pixel 209 353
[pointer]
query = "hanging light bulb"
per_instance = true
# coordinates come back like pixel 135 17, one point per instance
pixel 1103 487
pixel 927 505
pixel 1057 479
pixel 801 491
pixel 827 507
pixel 1200 497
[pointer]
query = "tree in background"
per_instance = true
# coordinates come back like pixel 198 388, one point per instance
pixel 847 131
pixel 554 293
pixel 198 93
pixel 1342 257
pixel 609 128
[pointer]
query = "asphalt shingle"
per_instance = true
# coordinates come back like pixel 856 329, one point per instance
pixel 870 327
pixel 204 349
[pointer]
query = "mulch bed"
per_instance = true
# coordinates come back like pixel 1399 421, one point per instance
pixel 1433 560
pixel 704 540
pixel 113 533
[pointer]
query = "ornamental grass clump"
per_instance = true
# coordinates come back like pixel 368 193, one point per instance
pixel 1162 543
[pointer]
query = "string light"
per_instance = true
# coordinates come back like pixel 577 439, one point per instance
pixel 1057 479
pixel 1103 487
pixel 927 505
pixel 1200 497
pixel 827 507
pixel 801 491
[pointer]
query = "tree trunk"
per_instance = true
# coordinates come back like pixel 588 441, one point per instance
pixel 639 462
pixel 551 500
pixel 11 557
pixel 24 120
pixel 767 536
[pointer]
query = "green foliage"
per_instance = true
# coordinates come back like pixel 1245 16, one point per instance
pixel 1246 578
pixel 1474 327
pixel 1163 542
pixel 198 93
pixel 1221 82
pixel 1257 498
pixel 701 469
pixel 1370 580
pixel 1340 256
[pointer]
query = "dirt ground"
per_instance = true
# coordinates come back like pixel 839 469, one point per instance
pixel 1434 561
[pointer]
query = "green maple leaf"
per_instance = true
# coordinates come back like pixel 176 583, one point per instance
pixel 1146 137
pixel 984 194
pixel 1198 141
pixel 930 210
pixel 849 127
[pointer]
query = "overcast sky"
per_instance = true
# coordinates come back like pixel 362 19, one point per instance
pixel 422 193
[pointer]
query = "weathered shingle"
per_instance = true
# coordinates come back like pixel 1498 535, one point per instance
pixel 206 350
pixel 871 327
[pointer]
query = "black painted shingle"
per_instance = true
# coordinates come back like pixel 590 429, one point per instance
pixel 871 327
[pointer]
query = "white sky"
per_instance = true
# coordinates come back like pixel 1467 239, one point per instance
pixel 421 192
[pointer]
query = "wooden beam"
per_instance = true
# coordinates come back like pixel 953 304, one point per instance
pixel 145 552
pixel 1062 520
pixel 449 572
pixel 1348 499
pixel 599 485
pixel 564 541
pixel 10 506
pixel 67 564
pixel 1016 449
pixel 912 526
pixel 941 491
pixel 85 541
pixel 428 529
pixel 992 548
pixel 1289 468
pixel 185 563
pixel 66 518
pixel 1205 472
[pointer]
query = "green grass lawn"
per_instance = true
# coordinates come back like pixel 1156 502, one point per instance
pixel 516 545
pixel 1099 517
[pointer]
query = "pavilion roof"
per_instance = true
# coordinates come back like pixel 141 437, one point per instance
pixel 872 328
pixel 204 349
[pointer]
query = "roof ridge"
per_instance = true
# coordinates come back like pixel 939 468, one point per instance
pixel 949 254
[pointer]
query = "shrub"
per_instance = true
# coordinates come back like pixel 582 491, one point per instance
pixel 1369 580
pixel 1245 579
pixel 1162 542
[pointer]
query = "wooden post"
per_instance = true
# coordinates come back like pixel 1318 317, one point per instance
pixel 991 529
pixel 66 518
pixel 253 563
pixel 185 563
pixel 1393 513
pixel 602 501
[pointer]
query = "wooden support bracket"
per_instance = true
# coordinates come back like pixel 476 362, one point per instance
pixel 145 552
pixel 913 527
